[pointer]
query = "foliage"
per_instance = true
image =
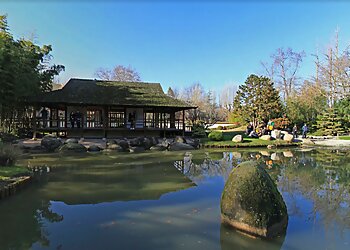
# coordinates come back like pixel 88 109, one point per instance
pixel 118 73
pixel 8 154
pixel 25 71
pixel 198 131
pixel 330 123
pixel 215 136
pixel 304 106
pixel 257 100
pixel 343 107
pixel 281 123
pixel 236 118
pixel 13 171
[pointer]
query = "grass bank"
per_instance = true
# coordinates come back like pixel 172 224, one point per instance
pixel 247 142
pixel 344 137
pixel 13 171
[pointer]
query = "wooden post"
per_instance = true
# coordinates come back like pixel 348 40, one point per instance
pixel 183 122
pixel 105 120
pixel 34 123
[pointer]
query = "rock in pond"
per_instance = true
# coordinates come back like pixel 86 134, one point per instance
pixel 180 139
pixel 71 140
pixel 237 138
pixel 252 203
pixel 50 143
pixel 180 146
pixel 94 148
pixel 115 147
pixel 158 147
pixel 73 147
pixel 136 149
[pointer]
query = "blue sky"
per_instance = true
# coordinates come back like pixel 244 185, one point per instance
pixel 178 43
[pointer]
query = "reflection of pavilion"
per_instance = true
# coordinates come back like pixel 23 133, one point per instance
pixel 97 185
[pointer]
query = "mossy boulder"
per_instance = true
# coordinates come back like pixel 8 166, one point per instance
pixel 50 143
pixel 252 203
pixel 73 148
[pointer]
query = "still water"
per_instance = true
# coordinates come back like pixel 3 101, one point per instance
pixel 172 201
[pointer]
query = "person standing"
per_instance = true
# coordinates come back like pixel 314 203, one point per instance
pixel 304 130
pixel 295 131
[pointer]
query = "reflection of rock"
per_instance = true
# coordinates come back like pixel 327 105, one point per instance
pixel 237 155
pixel 264 153
pixel 231 239
pixel 252 203
pixel 288 154
pixel 237 138
pixel 275 157
pixel 180 146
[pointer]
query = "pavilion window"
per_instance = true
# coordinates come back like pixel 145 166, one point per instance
pixel 149 120
pixel 94 119
pixel 116 119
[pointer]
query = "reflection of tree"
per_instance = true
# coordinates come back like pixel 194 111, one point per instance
pixel 323 177
pixel 25 223
pixel 320 175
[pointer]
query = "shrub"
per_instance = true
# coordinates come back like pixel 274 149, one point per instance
pixel 215 136
pixel 219 127
pixel 8 154
pixel 198 131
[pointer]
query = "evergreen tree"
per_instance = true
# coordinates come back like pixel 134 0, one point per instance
pixel 257 100
pixel 330 123
pixel 25 71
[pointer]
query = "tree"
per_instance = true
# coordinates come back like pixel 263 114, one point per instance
pixel 305 104
pixel 171 92
pixel 283 70
pixel 330 122
pixel 333 72
pixel 119 73
pixel 257 100
pixel 25 71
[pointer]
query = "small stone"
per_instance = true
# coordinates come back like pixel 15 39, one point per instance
pixel 265 137
pixel 237 138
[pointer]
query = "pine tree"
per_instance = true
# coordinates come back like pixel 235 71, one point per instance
pixel 330 123
pixel 257 100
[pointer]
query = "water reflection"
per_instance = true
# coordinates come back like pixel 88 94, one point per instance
pixel 172 200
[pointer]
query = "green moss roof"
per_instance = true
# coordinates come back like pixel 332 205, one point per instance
pixel 97 92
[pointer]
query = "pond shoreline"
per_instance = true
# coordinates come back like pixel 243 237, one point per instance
pixel 12 186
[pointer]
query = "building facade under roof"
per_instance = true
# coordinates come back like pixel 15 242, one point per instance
pixel 108 109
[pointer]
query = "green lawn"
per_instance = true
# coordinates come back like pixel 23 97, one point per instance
pixel 344 137
pixel 247 142
pixel 13 171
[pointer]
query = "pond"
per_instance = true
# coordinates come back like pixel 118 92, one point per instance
pixel 171 200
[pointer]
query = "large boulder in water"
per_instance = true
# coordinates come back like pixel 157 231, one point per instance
pixel 73 148
pixel 50 143
pixel 252 203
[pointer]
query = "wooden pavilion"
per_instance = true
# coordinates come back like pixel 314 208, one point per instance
pixel 108 109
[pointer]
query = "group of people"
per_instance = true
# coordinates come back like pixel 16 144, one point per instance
pixel 263 129
pixel 304 130
pixel 76 118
